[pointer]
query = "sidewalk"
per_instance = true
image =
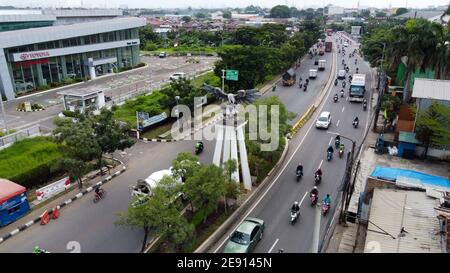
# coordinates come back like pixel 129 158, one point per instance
pixel 72 195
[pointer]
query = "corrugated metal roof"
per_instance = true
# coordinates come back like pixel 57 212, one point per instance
pixel 26 18
pixel 43 34
pixel 420 14
pixel 431 89
pixel 414 211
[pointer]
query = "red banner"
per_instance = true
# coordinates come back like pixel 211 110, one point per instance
pixel 30 63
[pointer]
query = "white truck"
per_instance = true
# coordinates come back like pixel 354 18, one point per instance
pixel 144 187
pixel 313 73
pixel 358 87
pixel 322 64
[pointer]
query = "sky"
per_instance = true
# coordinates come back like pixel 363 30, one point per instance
pixel 221 3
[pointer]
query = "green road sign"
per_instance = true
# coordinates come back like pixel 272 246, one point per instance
pixel 232 75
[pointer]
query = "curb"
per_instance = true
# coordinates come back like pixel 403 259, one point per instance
pixel 37 110
pixel 68 201
pixel 220 231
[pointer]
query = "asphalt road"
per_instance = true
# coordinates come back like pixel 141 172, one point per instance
pixel 151 77
pixel 309 149
pixel 92 225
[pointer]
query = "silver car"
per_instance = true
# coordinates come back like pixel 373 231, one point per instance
pixel 324 120
pixel 23 86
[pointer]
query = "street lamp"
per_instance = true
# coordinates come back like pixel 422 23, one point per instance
pixel 347 174
pixel 177 98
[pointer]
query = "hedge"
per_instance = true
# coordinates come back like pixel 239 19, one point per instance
pixel 28 162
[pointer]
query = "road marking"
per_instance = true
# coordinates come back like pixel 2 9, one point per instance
pixel 285 166
pixel 320 165
pixel 337 124
pixel 329 142
pixel 343 108
pixel 346 99
pixel 303 199
pixel 276 241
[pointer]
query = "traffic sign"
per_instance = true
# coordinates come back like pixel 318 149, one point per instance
pixel 232 75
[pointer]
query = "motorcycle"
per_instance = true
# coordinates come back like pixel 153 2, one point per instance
pixel 343 84
pixel 342 93
pixel 341 152
pixel 317 179
pixel 294 216
pixel 356 61
pixel 343 62
pixel 337 143
pixel 357 70
pixel 198 149
pixel 355 124
pixel 300 85
pixel 329 156
pixel 325 208
pixel 313 198
pixel 299 175
pixel 304 87
pixel 335 82
pixel 101 195
pixel 364 106
pixel 335 98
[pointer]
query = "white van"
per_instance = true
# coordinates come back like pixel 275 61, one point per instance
pixel 313 73
pixel 177 76
pixel 322 64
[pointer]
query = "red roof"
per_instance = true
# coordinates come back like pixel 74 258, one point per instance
pixel 9 189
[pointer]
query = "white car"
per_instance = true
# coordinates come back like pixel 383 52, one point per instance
pixel 345 44
pixel 324 120
pixel 22 86
pixel 177 76
pixel 341 74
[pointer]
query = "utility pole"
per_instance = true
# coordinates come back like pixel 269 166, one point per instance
pixel 3 113
pixel 380 90
pixel 223 80
pixel 316 234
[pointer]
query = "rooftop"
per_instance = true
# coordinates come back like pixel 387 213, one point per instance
pixel 44 34
pixel 420 14
pixel 81 92
pixel 431 89
pixel 393 210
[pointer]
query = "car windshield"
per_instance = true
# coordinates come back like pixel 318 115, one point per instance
pixel 323 118
pixel 240 238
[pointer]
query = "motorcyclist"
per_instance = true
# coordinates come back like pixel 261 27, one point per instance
pixel 337 140
pixel 307 81
pixel 343 84
pixel 356 61
pixel 335 82
pixel 199 146
pixel 342 93
pixel 357 70
pixel 336 97
pixel 299 168
pixel 318 172
pixel 98 191
pixel 315 191
pixel 342 147
pixel 356 120
pixel 295 207
pixel 330 149
pixel 327 200
pixel 364 103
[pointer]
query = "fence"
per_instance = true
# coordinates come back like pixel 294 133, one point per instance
pixel 25 133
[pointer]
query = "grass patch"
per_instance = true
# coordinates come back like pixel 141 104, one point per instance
pixel 159 130
pixel 208 78
pixel 27 162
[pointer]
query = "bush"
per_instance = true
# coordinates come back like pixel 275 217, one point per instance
pixel 150 47
pixel 70 114
pixel 28 162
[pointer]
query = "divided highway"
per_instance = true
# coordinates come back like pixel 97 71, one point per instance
pixel 310 149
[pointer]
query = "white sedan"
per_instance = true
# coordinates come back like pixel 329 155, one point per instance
pixel 324 120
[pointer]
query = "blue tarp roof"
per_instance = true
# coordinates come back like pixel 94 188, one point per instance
pixel 393 173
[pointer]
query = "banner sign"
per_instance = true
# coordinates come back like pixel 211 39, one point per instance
pixel 53 189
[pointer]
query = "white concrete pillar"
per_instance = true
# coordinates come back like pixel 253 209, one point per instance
pixel 244 161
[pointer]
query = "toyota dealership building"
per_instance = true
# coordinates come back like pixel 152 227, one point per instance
pixel 37 57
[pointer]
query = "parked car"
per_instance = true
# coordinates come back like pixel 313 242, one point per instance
pixel 324 120
pixel 246 236
pixel 23 86
pixel 177 76
pixel 163 54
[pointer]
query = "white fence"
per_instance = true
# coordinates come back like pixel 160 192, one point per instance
pixel 22 134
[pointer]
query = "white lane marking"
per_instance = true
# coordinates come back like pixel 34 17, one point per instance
pixel 276 241
pixel 337 124
pixel 284 168
pixel 329 142
pixel 303 199
pixel 343 108
pixel 346 99
pixel 320 165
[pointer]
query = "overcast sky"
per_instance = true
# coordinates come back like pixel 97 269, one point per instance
pixel 221 3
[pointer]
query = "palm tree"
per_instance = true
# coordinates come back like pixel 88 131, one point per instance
pixel 440 59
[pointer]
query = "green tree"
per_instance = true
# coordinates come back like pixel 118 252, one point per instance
pixel 186 19
pixel 433 126
pixel 280 11
pixel 232 187
pixel 365 13
pixel 185 165
pixel 146 35
pixel 205 188
pixel 200 15
pixel 109 134
pixel 158 214
pixel 401 11
pixel 184 89
pixel 227 14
